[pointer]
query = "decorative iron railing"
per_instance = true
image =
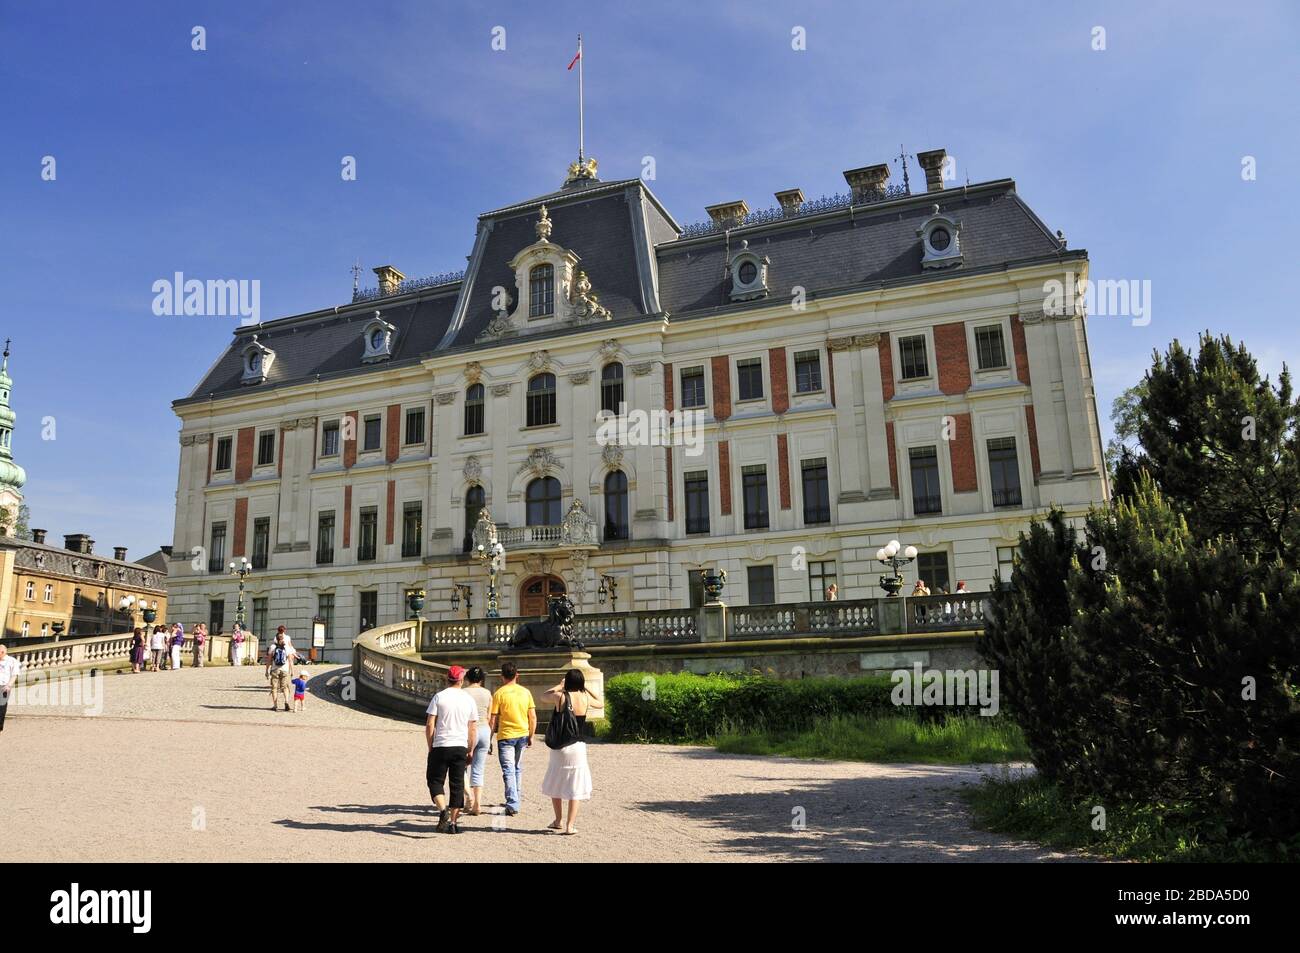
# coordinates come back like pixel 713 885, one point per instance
pixel 827 203
pixel 409 285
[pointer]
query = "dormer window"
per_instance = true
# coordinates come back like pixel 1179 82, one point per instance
pixel 378 337
pixel 541 291
pixel 748 275
pixel 257 362
pixel 940 240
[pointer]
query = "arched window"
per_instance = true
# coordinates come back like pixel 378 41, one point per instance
pixel 474 410
pixel 541 400
pixel 541 291
pixel 544 502
pixel 616 505
pixel 611 387
pixel 473 504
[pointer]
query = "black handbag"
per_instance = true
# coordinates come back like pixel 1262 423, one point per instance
pixel 563 729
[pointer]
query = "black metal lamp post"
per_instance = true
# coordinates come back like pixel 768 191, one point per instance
pixel 461 591
pixel 242 569
pixel 888 554
pixel 608 587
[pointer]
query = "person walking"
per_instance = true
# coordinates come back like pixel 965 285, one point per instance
pixel 157 648
pixel 300 690
pixel 568 777
pixel 178 643
pixel 450 728
pixel 137 650
pixel 279 664
pixel 10 667
pixel 200 643
pixel 478 755
pixel 513 717
pixel 237 645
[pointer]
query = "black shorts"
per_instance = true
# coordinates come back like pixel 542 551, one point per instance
pixel 443 761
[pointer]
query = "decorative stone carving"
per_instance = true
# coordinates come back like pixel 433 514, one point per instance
pixel 187 440
pixel 290 424
pixel 539 361
pixel 540 462
pixel 577 528
pixel 473 469
pixel 579 377
pixel 612 455
pixel 500 390
pixel 497 328
pixel 586 308
pixel 641 370
pixel 609 348
pixel 543 226
pixel 306 421
pixel 202 437
pixel 840 344
pixel 446 397
pixel 536 564
pixel 473 372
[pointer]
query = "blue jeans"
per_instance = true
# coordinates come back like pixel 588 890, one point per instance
pixel 511 755
pixel 482 744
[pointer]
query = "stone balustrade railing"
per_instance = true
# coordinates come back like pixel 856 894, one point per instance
pixel 71 654
pixel 389 673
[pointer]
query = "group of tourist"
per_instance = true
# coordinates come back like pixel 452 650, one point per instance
pixel 921 589
pixel 460 724
pixel 156 650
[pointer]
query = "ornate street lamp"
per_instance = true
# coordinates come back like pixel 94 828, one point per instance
pixel 489 551
pixel 242 569
pixel 608 586
pixel 888 554
pixel 461 591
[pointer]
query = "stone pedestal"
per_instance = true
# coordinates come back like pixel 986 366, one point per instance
pixel 713 622
pixel 543 670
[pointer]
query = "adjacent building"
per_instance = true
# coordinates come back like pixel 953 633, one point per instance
pixel 776 393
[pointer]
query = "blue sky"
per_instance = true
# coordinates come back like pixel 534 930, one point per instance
pixel 226 164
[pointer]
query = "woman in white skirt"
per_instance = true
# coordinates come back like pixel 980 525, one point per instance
pixel 568 778
pixel 237 645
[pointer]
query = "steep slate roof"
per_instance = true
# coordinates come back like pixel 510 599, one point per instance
pixel 639 267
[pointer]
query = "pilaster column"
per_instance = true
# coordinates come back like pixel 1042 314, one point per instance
pixel 874 448
pixel 848 398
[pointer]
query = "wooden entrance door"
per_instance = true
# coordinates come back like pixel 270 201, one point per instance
pixel 535 593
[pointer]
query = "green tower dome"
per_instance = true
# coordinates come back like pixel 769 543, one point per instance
pixel 11 474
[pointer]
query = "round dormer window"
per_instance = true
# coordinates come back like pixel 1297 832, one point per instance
pixel 747 273
pixel 377 339
pixel 940 238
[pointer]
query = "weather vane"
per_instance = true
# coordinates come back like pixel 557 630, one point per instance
pixel 902 157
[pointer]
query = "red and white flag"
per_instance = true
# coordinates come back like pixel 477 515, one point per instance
pixel 576 56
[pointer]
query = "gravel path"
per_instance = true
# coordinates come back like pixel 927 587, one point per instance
pixel 193 765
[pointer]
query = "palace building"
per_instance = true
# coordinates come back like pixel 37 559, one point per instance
pixel 835 374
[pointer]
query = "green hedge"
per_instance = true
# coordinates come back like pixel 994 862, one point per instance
pixel 683 707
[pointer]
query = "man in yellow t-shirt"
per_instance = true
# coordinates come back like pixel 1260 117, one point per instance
pixel 513 717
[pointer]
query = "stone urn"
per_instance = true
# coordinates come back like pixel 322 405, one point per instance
pixel 149 615
pixel 415 602
pixel 714 580
pixel 891 584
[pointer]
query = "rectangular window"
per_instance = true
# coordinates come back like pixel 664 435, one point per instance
pixel 695 587
pixel 821 576
pixel 217 551
pixel 412 531
pixel 807 372
pixel 911 357
pixel 325 613
pixel 49 593
pixel 697 501
pixel 933 568
pixel 816 492
pixel 1004 471
pixel 749 377
pixel 415 426
pixel 541 291
pixel 26 628
pixel 325 538
pixel 260 616
pixel 1006 563
pixel 31 589
pixel 329 439
pixel 224 445
pixel 474 410
pixel 753 483
pixel 216 616
pixel 45 628
pixel 266 448
pixel 368 533
pixel 540 409
pixel 692 387
pixel 261 541
pixel 990 353
pixel 76 597
pixel 369 610
pixel 373 428
pixel 926 496
pixel 761 581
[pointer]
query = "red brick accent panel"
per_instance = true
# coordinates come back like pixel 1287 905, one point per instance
pixel 243 454
pixel 893 456
pixel 347 516
pixel 961 451
pixel 780 381
pixel 783 468
pixel 721 388
pixel 350 446
pixel 668 452
pixel 952 357
pixel 1033 439
pixel 668 405
pixel 1022 352
pixel 279 457
pixel 388 512
pixel 886 370
pixel 393 442
pixel 241 526
pixel 724 477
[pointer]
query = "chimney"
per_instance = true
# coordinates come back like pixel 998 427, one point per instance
pixel 728 214
pixel 78 543
pixel 166 551
pixel 38 536
pixel 389 279
pixel 867 183
pixel 119 553
pixel 932 163
pixel 790 200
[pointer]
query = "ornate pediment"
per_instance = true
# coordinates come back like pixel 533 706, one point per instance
pixel 577 528
pixel 541 462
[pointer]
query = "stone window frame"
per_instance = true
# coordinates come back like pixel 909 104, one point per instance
pixel 257 448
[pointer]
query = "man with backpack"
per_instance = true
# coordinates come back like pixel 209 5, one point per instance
pixel 279 665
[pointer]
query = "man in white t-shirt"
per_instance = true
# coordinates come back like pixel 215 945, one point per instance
pixel 9 669
pixel 451 729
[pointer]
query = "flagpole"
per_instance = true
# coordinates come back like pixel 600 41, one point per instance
pixel 580 126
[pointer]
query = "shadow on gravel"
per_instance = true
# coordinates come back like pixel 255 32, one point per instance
pixel 401 827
